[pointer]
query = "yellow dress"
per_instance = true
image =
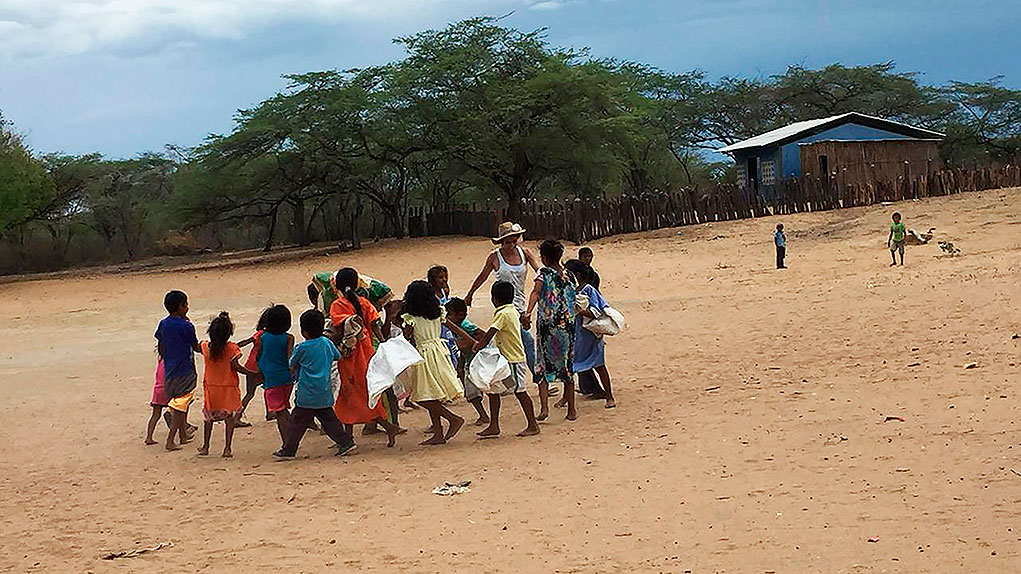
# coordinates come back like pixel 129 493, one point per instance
pixel 435 379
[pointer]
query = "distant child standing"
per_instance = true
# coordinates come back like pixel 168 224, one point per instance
pixel 220 384
pixel 253 381
pixel 589 349
pixel 275 347
pixel 554 294
pixel 780 240
pixel 457 313
pixel 434 381
pixel 897 239
pixel 586 256
pixel 176 341
pixel 506 331
pixel 312 360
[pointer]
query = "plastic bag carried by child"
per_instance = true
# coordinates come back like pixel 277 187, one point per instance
pixel 608 322
pixel 392 358
pixel 488 367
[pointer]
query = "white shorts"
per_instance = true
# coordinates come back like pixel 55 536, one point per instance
pixel 516 383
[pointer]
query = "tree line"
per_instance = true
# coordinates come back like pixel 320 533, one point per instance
pixel 475 111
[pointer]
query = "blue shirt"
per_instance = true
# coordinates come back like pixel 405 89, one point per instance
pixel 780 239
pixel 313 359
pixel 273 360
pixel 177 341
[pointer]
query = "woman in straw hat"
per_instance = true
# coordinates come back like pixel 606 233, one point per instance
pixel 510 262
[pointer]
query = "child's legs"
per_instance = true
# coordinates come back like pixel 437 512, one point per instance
pixel 252 383
pixel 604 379
pixel 295 430
pixel 569 395
pixel 480 410
pixel 283 427
pixel 207 433
pixel 526 405
pixel 154 420
pixel 529 342
pixel 228 438
pixel 543 399
pixel 494 411
pixel 332 427
pixel 435 410
pixel 178 420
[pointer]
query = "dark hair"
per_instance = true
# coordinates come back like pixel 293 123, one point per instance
pixel 551 250
pixel 502 292
pixel 584 251
pixel 896 214
pixel 312 323
pixel 173 300
pixel 263 319
pixel 580 270
pixel 220 331
pixel 779 226
pixel 347 285
pixel 457 305
pixel 278 319
pixel 420 301
pixel 435 271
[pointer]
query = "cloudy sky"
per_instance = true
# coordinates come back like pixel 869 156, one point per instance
pixel 125 76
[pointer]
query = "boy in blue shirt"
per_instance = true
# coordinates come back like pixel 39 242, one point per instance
pixel 457 312
pixel 176 343
pixel 780 239
pixel 313 398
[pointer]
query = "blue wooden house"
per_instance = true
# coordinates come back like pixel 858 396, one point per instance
pixel 853 146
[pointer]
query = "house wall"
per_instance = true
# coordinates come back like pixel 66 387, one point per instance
pixel 765 157
pixel 792 152
pixel 861 161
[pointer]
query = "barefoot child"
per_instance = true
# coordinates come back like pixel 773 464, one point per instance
pixel 896 240
pixel 254 381
pixel 176 341
pixel 312 360
pixel 506 330
pixel 457 313
pixel 220 384
pixel 780 241
pixel 553 294
pixel 275 347
pixel 586 256
pixel 589 349
pixel 434 381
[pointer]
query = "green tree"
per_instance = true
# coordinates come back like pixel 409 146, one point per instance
pixel 25 188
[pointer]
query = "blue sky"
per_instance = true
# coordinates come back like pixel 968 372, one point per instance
pixel 125 76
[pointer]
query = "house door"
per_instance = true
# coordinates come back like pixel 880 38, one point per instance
pixel 753 172
pixel 824 168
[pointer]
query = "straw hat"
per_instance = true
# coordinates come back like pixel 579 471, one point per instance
pixel 508 229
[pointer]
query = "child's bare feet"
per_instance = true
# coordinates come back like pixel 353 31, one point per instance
pixel 242 423
pixel 543 415
pixel 203 450
pixel 435 440
pixel 610 403
pixel 172 446
pixel 227 454
pixel 370 430
pixel 561 403
pixel 571 416
pixel 481 422
pixel 187 438
pixel 455 426
pixel 529 431
pixel 489 432
pixel 391 436
pixel 150 442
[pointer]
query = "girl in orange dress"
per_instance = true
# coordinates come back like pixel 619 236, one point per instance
pixel 221 386
pixel 352 405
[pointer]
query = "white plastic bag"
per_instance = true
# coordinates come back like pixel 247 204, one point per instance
pixel 392 358
pixel 488 367
pixel 610 322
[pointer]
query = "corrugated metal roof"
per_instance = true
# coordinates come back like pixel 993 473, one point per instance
pixel 794 130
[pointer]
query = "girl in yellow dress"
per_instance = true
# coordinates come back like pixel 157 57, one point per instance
pixel 434 381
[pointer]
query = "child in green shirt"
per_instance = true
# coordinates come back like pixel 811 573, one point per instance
pixel 898 235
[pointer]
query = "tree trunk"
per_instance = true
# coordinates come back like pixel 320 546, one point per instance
pixel 272 230
pixel 298 222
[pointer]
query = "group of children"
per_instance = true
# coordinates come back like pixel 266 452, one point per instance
pixel 327 373
pixel 895 242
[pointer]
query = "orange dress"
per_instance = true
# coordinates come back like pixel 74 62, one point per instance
pixel 221 387
pixel 352 406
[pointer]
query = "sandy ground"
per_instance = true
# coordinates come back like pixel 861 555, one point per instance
pixel 751 436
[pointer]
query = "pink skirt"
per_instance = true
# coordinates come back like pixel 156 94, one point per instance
pixel 278 398
pixel 159 396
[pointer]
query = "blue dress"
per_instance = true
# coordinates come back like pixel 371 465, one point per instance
pixel 588 349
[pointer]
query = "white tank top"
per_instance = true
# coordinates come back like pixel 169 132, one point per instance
pixel 515 275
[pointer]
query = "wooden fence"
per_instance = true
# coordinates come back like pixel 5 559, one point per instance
pixel 581 220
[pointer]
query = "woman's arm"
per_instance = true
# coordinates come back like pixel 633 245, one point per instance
pixel 487 270
pixel 532 260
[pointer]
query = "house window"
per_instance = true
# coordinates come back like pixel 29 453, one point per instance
pixel 768 172
pixel 742 174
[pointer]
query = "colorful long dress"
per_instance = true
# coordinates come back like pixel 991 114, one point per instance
pixel 352 406
pixel 555 326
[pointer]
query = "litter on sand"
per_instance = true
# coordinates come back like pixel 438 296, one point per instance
pixel 452 488
pixel 138 552
pixel 873 539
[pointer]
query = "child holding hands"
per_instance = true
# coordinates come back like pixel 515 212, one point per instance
pixel 220 383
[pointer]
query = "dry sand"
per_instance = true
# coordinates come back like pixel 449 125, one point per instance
pixel 750 436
